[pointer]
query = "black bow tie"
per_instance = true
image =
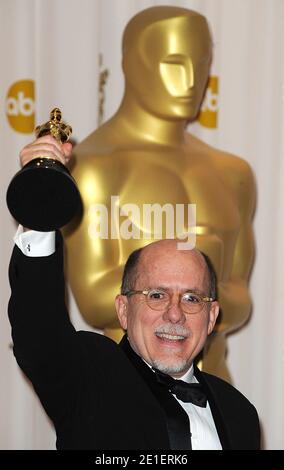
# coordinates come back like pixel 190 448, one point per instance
pixel 187 392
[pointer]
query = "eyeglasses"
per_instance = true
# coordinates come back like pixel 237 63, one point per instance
pixel 158 299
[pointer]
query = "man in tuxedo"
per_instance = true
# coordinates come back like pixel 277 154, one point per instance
pixel 144 393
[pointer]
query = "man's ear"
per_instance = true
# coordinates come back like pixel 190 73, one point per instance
pixel 121 305
pixel 213 314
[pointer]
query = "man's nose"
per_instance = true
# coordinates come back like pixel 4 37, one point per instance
pixel 174 313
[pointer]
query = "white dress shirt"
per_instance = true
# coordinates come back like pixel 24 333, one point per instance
pixel 204 435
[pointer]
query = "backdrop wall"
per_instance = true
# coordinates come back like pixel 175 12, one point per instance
pixel 54 54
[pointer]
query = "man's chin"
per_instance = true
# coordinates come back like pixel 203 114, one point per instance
pixel 170 367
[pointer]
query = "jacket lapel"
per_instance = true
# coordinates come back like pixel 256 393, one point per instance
pixel 215 409
pixel 175 417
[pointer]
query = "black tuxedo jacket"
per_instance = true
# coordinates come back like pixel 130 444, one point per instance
pixel 101 395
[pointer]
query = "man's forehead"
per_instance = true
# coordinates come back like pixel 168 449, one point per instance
pixel 162 264
pixel 166 252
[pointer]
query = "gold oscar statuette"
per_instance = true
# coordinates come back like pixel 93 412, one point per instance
pixel 43 195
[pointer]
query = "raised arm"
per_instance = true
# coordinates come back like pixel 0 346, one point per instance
pixel 45 342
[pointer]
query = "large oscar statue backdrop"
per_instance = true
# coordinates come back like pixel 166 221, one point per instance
pixel 143 155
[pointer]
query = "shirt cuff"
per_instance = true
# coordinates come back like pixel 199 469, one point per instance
pixel 34 244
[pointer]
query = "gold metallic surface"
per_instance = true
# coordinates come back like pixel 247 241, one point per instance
pixel 104 74
pixel 144 155
pixel 55 127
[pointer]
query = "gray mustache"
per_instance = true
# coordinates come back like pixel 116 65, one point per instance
pixel 173 330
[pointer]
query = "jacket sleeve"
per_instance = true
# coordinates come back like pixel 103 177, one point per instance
pixel 45 342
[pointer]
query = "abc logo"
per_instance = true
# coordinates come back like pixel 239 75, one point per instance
pixel 208 115
pixel 20 106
